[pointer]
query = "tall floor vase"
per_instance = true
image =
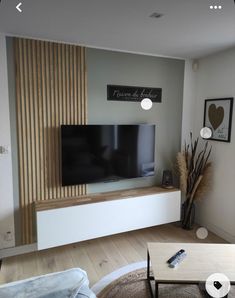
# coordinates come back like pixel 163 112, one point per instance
pixel 188 223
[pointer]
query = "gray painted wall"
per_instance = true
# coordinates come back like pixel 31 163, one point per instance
pixel 109 67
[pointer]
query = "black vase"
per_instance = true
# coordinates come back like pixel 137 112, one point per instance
pixel 188 223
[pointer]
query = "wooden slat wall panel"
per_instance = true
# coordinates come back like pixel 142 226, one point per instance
pixel 51 89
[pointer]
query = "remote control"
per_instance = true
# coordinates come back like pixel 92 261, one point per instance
pixel 177 260
pixel 175 256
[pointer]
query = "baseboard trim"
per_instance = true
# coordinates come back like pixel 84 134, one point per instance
pixel 18 250
pixel 218 231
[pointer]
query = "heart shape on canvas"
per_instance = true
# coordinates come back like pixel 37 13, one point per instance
pixel 216 115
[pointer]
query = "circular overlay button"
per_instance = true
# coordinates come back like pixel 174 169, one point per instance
pixel 202 233
pixel 146 103
pixel 206 133
pixel 218 285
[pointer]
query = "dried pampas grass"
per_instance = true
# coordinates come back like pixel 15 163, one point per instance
pixel 192 165
pixel 205 183
pixel 194 172
pixel 181 166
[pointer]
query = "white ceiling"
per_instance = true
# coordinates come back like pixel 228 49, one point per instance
pixel 188 29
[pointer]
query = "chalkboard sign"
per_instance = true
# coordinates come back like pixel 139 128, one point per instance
pixel 132 93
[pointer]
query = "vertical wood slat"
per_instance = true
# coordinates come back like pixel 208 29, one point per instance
pixel 44 100
pixel 60 99
pixel 64 95
pixel 47 124
pixel 50 90
pixel 56 124
pixel 28 146
pixel 18 72
pixel 40 114
pixel 24 146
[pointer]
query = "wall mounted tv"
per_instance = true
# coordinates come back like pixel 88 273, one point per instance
pixel 102 153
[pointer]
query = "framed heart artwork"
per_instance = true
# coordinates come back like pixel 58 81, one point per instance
pixel 218 117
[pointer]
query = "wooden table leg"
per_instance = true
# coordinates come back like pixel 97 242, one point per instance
pixel 156 289
pixel 148 266
pixel 149 278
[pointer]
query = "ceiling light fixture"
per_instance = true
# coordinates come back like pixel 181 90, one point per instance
pixel 156 15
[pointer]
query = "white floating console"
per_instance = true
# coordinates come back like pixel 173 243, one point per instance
pixel 71 220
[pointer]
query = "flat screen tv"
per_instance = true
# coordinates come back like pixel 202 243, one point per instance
pixel 102 153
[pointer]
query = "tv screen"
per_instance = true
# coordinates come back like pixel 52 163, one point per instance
pixel 98 153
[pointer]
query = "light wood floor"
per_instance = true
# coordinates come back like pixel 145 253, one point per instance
pixel 97 257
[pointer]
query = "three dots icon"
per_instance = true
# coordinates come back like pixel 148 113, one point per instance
pixel 215 7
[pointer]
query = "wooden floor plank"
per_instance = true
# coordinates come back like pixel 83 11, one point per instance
pixel 137 242
pixel 81 260
pixel 100 260
pixel 28 265
pixel 46 261
pixel 10 270
pixel 125 247
pixel 112 252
